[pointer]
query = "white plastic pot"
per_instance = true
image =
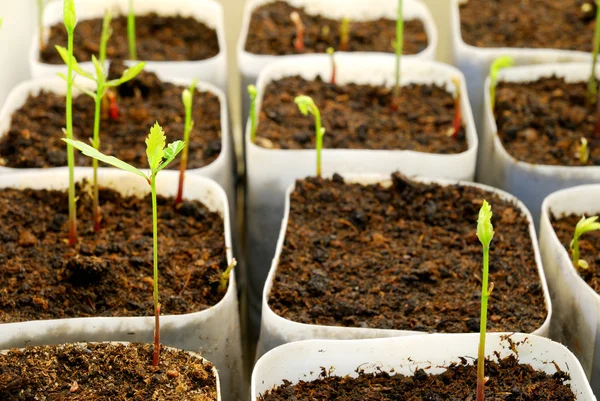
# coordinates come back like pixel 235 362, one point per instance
pixel 209 12
pixel 214 333
pixel 576 304
pixel 529 182
pixel 190 353
pixel 276 330
pixel 271 171
pixel 251 65
pixel 303 360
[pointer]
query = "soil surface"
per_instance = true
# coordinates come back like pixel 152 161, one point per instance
pixel 508 380
pixel 589 247
pixel 158 38
pixel 104 372
pixel 403 257
pixel 108 273
pixel 529 24
pixel 35 135
pixel 359 117
pixel 542 122
pixel 271 31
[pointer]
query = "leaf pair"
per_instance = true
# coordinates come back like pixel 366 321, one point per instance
pixel 585 225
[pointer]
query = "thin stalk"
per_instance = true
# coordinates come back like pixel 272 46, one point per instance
pixel 575 252
pixel 344 34
pixel 96 145
pixel 225 276
pixel 70 151
pixel 131 32
pixel 331 53
pixel 485 294
pixel 253 123
pixel 399 46
pixel 106 33
pixel 189 124
pixel 40 18
pixel 156 357
pixel 592 82
pixel 319 143
pixel 457 110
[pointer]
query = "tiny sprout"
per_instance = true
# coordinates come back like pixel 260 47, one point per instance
pixel 399 45
pixel 331 53
pixel 585 225
pixel 253 124
pixel 592 89
pixel 159 157
pixel 344 34
pixel 187 97
pixel 225 276
pixel 583 151
pixel 131 40
pixel 497 65
pixel 485 233
pixel 457 110
pixel 299 41
pixel 307 105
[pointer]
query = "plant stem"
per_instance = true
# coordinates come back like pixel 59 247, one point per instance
pixel 70 151
pixel 399 46
pixel 186 139
pixel 40 4
pixel 592 82
pixel 225 276
pixel 252 94
pixel 485 293
pixel 457 110
pixel 96 145
pixel 575 252
pixel 156 358
pixel 131 32
pixel 319 141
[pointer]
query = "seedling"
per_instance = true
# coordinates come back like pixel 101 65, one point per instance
pixel 131 32
pixel 307 105
pixel 583 151
pixel 159 157
pixel 585 225
pixel 40 21
pixel 592 88
pixel 497 65
pixel 457 110
pixel 485 233
pixel 253 123
pixel 187 98
pixel 299 41
pixel 399 46
pixel 225 276
pixel 331 53
pixel 344 34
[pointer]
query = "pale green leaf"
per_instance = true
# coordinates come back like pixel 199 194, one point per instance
pixel 69 15
pixel 99 68
pixel 64 54
pixel 155 146
pixel 128 75
pixel 171 153
pixel 305 104
pixel 498 64
pixel 252 92
pixel 586 225
pixel 485 230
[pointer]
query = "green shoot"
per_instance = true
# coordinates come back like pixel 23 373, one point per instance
pixel 105 36
pixel 497 65
pixel 225 276
pixel 592 89
pixel 253 123
pixel 297 21
pixel 187 98
pixel 131 32
pixel 585 225
pixel 344 34
pixel 399 46
pixel 331 53
pixel 159 157
pixel 40 21
pixel 583 151
pixel 485 233
pixel 307 105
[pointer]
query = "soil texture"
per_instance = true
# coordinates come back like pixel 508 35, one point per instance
pixel 542 122
pixel 158 38
pixel 360 117
pixel 108 273
pixel 527 24
pixel 104 372
pixel 34 139
pixel 403 257
pixel 271 32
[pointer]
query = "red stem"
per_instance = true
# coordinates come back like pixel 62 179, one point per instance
pixel 72 233
pixel 333 72
pixel 179 197
pixel 457 117
pixel 113 110
pixel 156 357
pixel 299 41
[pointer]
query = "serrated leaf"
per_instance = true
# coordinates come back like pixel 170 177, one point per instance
pixel 155 146
pixel 171 152
pixel 64 54
pixel 485 230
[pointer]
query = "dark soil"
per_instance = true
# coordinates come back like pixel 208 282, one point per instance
pixel 359 117
pixel 104 372
pixel 157 39
pixel 508 380
pixel 589 247
pixel 272 32
pixel 405 257
pixel 109 273
pixel 35 135
pixel 528 24
pixel 542 122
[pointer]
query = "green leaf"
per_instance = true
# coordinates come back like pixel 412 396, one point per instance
pixel 155 147
pixel 186 98
pixel 252 92
pixel 64 54
pixel 498 64
pixel 586 225
pixel 69 15
pixel 128 75
pixel 171 153
pixel 99 68
pixel 485 230
pixel 305 104
pixel 96 154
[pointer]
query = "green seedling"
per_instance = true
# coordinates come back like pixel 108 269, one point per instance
pixel 187 97
pixel 399 46
pixel 224 280
pixel 585 225
pixel 40 21
pixel 159 157
pixel 103 85
pixel 131 32
pixel 485 233
pixel 497 65
pixel 253 123
pixel 592 89
pixel 583 151
pixel 344 34
pixel 297 21
pixel 307 105
pixel 457 110
pixel 331 53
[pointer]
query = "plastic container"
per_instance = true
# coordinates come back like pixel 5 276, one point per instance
pixel 214 333
pixel 209 12
pixel 303 360
pixel 576 304
pixel 531 183
pixel 276 330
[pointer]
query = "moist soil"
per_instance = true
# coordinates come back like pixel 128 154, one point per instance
pixel 542 122
pixel 403 257
pixel 107 273
pixel 508 380
pixel 34 139
pixel 529 24
pixel 360 117
pixel 589 247
pixel 158 38
pixel 272 32
pixel 104 372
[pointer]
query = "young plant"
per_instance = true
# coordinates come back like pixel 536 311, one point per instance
pixel 187 97
pixel 399 46
pixel 583 151
pixel 307 105
pixel 331 53
pixel 344 34
pixel 40 21
pixel 131 32
pixel 253 122
pixel 497 65
pixel 585 225
pixel 225 276
pixel 485 233
pixel 592 88
pixel 457 110
pixel 299 41
pixel 159 157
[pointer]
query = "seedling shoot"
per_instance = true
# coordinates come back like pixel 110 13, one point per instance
pixel 187 98
pixel 225 276
pixel 592 88
pixel 583 151
pixel 159 157
pixel 253 123
pixel 331 53
pixel 299 41
pixel 585 225
pixel 131 40
pixel 344 34
pixel 485 233
pixel 307 105
pixel 497 65
pixel 399 46
pixel 457 110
